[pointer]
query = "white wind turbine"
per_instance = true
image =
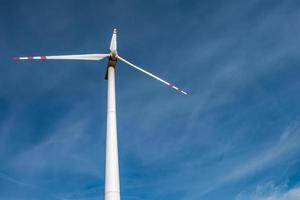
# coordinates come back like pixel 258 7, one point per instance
pixel 112 183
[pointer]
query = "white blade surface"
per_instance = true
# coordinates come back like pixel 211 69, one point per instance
pixel 152 75
pixel 66 57
pixel 113 42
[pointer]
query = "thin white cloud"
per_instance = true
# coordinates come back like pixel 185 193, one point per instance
pixel 271 191
pixel 13 180
pixel 232 170
pixel 62 148
pixel 263 159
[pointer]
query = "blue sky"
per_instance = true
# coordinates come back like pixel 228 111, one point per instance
pixel 237 137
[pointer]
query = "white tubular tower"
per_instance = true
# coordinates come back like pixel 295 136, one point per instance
pixel 112 183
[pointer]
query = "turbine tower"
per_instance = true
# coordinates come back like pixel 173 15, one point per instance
pixel 112 180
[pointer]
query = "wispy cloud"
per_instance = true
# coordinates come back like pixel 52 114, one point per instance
pixel 275 153
pixel 61 149
pixel 271 191
pixel 13 180
pixel 29 186
pixel 233 170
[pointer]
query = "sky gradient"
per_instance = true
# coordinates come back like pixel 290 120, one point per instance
pixel 237 137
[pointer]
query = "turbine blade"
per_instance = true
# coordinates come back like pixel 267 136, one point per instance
pixel 113 43
pixel 66 57
pixel 152 75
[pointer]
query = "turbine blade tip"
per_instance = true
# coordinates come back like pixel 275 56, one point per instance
pixel 115 31
pixel 16 58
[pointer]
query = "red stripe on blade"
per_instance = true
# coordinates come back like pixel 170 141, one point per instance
pixel 16 58
pixel 43 57
pixel 30 57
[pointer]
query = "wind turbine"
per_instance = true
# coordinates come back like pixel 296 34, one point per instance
pixel 112 181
